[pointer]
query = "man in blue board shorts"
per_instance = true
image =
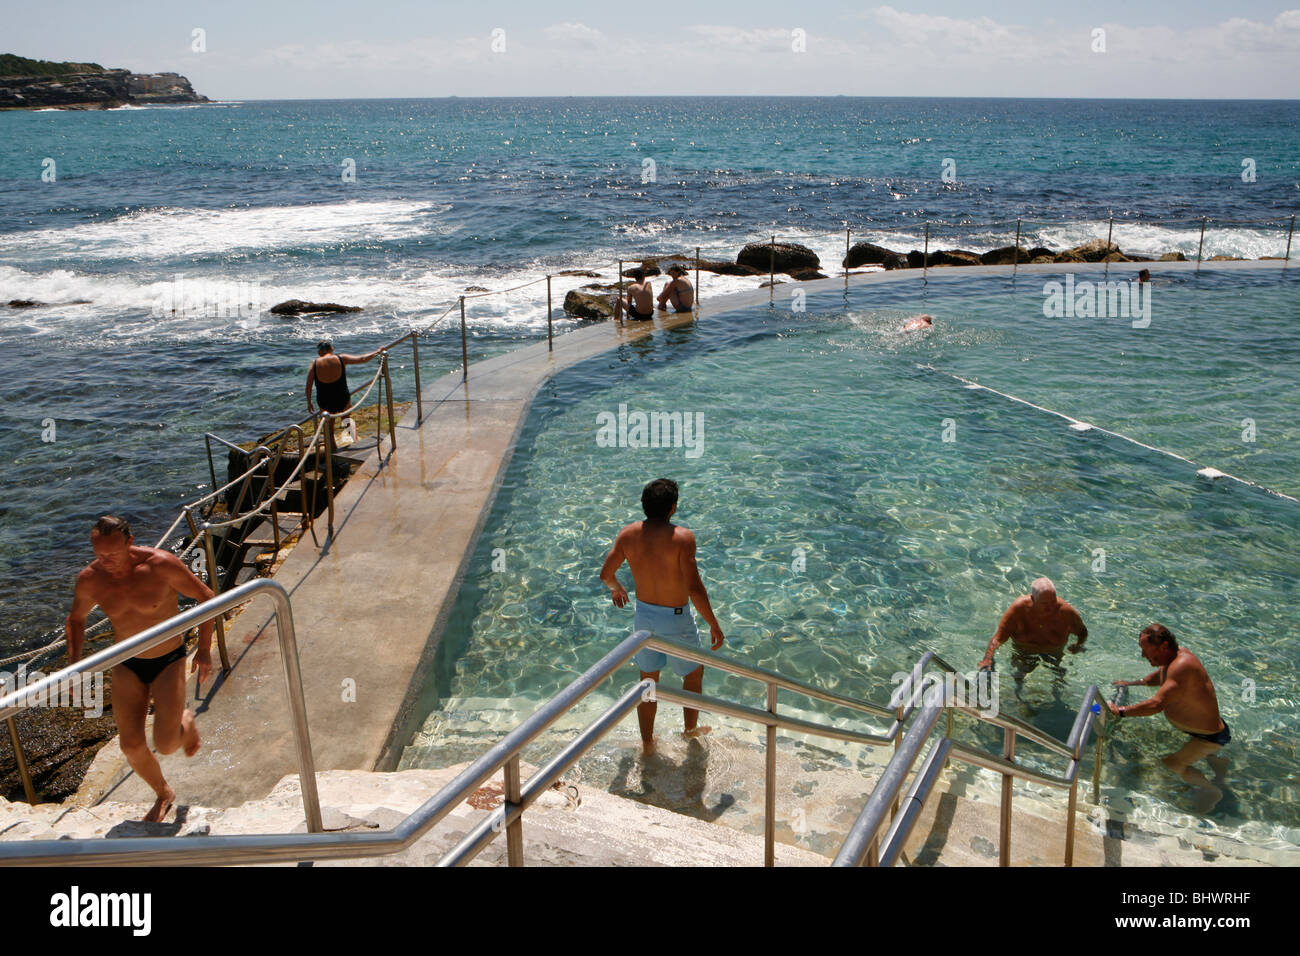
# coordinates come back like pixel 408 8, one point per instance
pixel 662 558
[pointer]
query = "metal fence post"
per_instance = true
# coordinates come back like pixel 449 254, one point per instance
pixel 388 391
pixel 1289 233
pixel 771 270
pixel 515 831
pixel 697 274
pixel 1201 247
pixel 550 332
pixel 620 286
pixel 1015 253
pixel 925 255
pixel 214 583
pixel 847 247
pixel 329 462
pixel 769 785
pixel 23 771
pixel 1110 230
pixel 464 349
pixel 419 397
pixel 1004 829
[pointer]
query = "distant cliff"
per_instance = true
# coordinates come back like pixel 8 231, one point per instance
pixel 40 84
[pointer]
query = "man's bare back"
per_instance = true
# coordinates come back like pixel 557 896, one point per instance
pixel 654 552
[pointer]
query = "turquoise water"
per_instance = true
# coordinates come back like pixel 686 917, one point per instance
pixel 823 437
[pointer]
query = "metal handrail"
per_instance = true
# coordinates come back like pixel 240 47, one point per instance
pixel 315 845
pixel 19 700
pixel 862 844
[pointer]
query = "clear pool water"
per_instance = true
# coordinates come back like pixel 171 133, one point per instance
pixel 823 437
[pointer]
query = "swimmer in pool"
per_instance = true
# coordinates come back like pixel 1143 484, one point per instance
pixel 662 558
pixel 1038 625
pixel 919 323
pixel 1187 698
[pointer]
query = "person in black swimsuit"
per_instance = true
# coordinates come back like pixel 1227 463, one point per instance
pixel 329 373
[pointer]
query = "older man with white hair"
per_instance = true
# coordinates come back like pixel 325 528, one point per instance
pixel 1038 625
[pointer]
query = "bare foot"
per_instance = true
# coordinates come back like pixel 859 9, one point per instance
pixel 161 806
pixel 697 731
pixel 190 733
pixel 1207 798
pixel 648 747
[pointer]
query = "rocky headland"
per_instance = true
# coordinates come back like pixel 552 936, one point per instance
pixel 41 84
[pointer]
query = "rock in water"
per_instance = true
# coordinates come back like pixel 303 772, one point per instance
pixel 299 307
pixel 783 257
pixel 586 304
pixel 1095 250
pixel 867 254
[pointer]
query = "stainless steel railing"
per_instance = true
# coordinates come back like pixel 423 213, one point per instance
pixel 19 700
pixel 504 755
pixel 863 844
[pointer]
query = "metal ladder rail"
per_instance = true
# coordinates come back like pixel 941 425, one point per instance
pixel 861 845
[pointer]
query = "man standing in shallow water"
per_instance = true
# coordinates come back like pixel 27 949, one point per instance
pixel 137 588
pixel 662 558
pixel 1038 625
pixel 1187 698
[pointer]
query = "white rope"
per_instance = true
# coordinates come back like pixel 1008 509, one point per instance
pixel 1078 425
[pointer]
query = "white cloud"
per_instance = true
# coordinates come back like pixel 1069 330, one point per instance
pixel 575 33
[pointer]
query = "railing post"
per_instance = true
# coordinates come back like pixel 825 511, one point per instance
pixel 388 392
pixel 925 255
pixel 515 831
pixel 1289 233
pixel 275 527
pixel 847 246
pixel 769 785
pixel 550 332
pixel 1201 247
pixel 1096 763
pixel 771 270
pixel 464 349
pixel 1069 822
pixel 1015 253
pixel 23 771
pixel 214 583
pixel 620 282
pixel 1110 230
pixel 697 271
pixel 329 463
pixel 1004 828
pixel 419 397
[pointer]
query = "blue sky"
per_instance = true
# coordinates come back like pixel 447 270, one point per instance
pixel 334 49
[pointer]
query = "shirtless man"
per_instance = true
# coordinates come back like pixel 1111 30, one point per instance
pixel 137 588
pixel 1038 626
pixel 678 292
pixel 662 558
pixel 919 323
pixel 640 299
pixel 1187 698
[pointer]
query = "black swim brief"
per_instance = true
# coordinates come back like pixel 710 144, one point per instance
pixel 1220 738
pixel 148 668
pixel 634 314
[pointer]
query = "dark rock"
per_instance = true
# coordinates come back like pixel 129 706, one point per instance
pixel 1094 250
pixel 805 275
pixel 1069 256
pixel 724 268
pixel 589 304
pixel 895 260
pixel 1118 257
pixel 781 257
pixel 866 254
pixel 1037 252
pixel 940 257
pixel 1037 260
pixel 1225 259
pixel 581 273
pixel 1173 257
pixel 299 307
pixel 1005 256
pixel 468 288
pixel 24 303
pixel 771 282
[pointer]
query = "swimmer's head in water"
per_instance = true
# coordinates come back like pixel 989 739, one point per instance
pixel 324 346
pixel 1158 643
pixel 1042 591
pixel 659 498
